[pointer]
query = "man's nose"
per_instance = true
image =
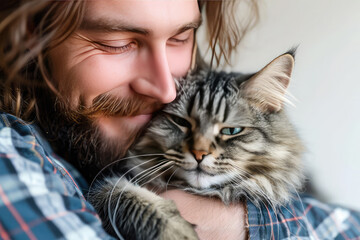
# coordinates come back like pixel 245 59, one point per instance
pixel 155 79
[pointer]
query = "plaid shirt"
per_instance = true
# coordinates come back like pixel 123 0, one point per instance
pixel 304 218
pixel 41 198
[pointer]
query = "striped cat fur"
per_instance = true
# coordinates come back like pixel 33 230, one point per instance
pixel 226 135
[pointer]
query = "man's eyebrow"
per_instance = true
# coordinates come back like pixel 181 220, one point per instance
pixel 106 25
pixel 192 25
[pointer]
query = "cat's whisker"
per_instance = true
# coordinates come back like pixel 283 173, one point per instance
pixel 299 198
pixel 142 172
pixel 119 160
pixel 167 183
pixel 117 231
pixel 112 217
pixel 238 174
pixel 278 213
pixel 302 206
pixel 181 88
pixel 172 158
pixel 112 220
pixel 250 192
pixel 157 175
pixel 157 168
pixel 153 170
pixel 237 167
pixel 295 216
pixel 145 172
pixel 254 191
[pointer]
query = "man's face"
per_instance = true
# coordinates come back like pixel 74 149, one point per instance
pixel 129 50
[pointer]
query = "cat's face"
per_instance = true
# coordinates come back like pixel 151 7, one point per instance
pixel 227 128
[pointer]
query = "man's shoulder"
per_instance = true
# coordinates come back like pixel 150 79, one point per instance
pixel 8 122
pixel 43 196
pixel 16 138
pixel 23 147
pixel 20 139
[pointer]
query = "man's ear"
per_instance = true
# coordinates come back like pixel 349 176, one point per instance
pixel 266 89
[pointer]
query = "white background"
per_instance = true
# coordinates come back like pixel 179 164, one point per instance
pixel 326 83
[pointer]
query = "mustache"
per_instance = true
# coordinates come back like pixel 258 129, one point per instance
pixel 109 105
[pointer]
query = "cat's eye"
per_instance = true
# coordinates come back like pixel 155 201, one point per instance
pixel 231 131
pixel 180 121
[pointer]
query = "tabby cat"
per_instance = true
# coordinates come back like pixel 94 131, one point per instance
pixel 225 135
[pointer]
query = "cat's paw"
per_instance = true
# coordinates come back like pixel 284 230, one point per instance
pixel 174 227
pixel 139 214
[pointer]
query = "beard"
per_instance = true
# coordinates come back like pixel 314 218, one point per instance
pixel 76 136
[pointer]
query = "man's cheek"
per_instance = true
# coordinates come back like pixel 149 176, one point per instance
pixel 98 75
pixel 180 61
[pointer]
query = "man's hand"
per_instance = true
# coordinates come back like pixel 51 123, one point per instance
pixel 212 218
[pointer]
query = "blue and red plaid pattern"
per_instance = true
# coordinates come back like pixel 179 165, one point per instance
pixel 303 218
pixel 41 198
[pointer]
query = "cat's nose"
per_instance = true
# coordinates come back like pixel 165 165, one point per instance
pixel 199 155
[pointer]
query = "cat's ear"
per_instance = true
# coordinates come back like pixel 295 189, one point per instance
pixel 266 89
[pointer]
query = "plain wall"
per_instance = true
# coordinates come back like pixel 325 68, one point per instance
pixel 325 82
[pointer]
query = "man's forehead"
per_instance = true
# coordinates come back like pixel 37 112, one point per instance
pixel 141 16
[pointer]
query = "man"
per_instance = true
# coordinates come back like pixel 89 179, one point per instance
pixel 89 75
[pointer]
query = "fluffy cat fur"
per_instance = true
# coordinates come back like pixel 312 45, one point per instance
pixel 225 135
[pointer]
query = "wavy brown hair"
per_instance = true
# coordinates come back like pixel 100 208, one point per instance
pixel 224 29
pixel 30 28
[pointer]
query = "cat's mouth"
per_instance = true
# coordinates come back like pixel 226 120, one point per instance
pixel 200 178
pixel 198 170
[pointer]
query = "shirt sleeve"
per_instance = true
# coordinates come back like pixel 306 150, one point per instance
pixel 303 218
pixel 39 199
